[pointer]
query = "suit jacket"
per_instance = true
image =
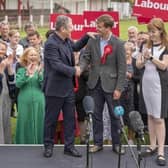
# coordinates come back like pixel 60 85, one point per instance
pixel 59 65
pixel 113 73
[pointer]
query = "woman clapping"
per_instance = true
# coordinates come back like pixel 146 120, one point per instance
pixel 29 78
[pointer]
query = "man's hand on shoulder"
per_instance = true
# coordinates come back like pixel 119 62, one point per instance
pixel 92 34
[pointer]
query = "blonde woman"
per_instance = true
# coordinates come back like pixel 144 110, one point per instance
pixel 154 60
pixel 29 78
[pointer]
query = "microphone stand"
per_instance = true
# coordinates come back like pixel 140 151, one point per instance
pixel 88 130
pixel 139 149
pixel 122 131
pixel 120 145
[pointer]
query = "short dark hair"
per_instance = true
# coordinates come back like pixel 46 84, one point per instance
pixel 106 19
pixel 62 21
pixel 34 33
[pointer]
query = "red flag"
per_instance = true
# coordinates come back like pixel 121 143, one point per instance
pixel 151 9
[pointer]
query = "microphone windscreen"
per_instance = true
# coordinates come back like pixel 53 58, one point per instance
pixel 136 121
pixel 119 111
pixel 88 104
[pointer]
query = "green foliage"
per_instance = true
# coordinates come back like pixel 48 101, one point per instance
pixel 125 24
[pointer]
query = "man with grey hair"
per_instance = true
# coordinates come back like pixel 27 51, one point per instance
pixel 59 73
pixel 132 34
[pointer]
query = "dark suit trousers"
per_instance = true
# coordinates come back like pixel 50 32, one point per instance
pixel 53 107
pixel 100 97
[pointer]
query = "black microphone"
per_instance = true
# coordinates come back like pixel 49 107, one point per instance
pixel 137 124
pixel 88 105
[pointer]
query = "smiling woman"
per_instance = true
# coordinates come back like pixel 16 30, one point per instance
pixel 154 60
pixel 30 119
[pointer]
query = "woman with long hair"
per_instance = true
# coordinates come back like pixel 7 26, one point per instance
pixel 154 88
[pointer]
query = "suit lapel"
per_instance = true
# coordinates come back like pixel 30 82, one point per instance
pixel 64 50
pixel 97 47
pixel 67 53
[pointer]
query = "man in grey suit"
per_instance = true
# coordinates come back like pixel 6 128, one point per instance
pixel 106 57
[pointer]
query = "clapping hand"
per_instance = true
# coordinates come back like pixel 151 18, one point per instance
pixel 7 63
pixel 2 66
pixel 9 60
pixel 146 53
pixel 31 68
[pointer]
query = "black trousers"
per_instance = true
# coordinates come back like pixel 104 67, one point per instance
pixel 100 97
pixel 53 107
pixel 166 125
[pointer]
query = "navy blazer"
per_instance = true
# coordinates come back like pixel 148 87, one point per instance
pixel 59 68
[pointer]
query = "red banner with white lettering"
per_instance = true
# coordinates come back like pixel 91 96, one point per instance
pixel 90 21
pixel 150 9
pixel 77 24
pixel 86 22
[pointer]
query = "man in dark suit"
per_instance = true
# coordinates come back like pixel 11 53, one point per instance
pixel 59 71
pixel 106 56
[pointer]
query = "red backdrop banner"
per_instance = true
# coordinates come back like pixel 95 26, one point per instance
pixel 90 21
pixel 150 9
pixel 86 22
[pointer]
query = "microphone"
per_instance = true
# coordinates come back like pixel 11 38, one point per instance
pixel 119 112
pixel 137 124
pixel 88 105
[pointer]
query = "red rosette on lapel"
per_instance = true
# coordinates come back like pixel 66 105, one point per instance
pixel 107 50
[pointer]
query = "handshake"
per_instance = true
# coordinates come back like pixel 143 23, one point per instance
pixel 77 71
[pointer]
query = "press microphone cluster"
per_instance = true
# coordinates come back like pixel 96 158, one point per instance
pixel 137 124
pixel 88 105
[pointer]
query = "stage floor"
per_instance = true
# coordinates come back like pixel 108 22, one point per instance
pixel 13 156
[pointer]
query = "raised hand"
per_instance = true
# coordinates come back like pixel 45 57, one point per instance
pixel 146 53
pixel 2 66
pixel 9 60
pixel 31 68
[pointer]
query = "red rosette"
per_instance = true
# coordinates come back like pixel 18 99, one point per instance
pixel 107 50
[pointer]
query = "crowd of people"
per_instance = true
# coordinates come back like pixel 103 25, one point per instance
pixel 44 83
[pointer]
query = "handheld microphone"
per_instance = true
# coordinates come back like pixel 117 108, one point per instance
pixel 137 124
pixel 119 112
pixel 88 105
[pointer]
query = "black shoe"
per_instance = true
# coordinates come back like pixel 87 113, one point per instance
pixel 149 152
pixel 116 149
pixel 48 151
pixel 160 160
pixel 72 152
